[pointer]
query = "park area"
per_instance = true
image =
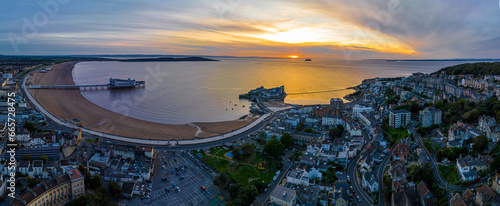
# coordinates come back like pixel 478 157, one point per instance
pixel 246 171
pixel 398 134
pixel 450 174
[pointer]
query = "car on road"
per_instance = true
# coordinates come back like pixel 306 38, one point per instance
pixel 348 179
pixel 182 177
pixel 359 199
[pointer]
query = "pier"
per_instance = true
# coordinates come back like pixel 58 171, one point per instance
pixel 113 84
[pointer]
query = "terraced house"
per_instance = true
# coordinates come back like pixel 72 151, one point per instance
pixel 54 191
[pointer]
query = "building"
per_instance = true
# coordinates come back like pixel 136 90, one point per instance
pixel 457 201
pixel 54 191
pixel 496 183
pixel 424 193
pixel 340 195
pixel 489 126
pixel 321 111
pixel 430 116
pixel 77 183
pixel 358 109
pixel 283 196
pixel 469 166
pixel 399 118
pixel 338 103
pixel 484 195
pixel 128 189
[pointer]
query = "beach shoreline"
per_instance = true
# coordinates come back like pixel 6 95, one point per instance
pixel 71 104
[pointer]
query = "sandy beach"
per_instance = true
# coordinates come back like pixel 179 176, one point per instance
pixel 70 104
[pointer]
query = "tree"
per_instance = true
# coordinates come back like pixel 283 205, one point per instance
pixel 29 126
pixel 424 173
pixel 27 157
pixel 243 152
pixel 286 140
pixel 32 182
pixel 335 132
pixel 84 200
pixel 262 135
pixel 274 148
pixel 96 182
pixel 309 130
pixel 480 143
pixel 260 185
pixel 115 189
pixel 248 194
pixel 495 165
pixel 44 158
pixel 233 190
pixel 230 203
pixel 300 126
pixel 222 180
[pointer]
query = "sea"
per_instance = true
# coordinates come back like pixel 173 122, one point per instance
pixel 185 92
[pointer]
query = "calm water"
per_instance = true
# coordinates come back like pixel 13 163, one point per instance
pixel 182 92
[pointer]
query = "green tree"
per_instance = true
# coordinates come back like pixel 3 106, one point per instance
pixel 335 132
pixel 32 182
pixel 29 126
pixel 274 148
pixel 248 194
pixel 286 140
pixel 96 182
pixel 44 158
pixel 309 130
pixel 260 185
pixel 262 134
pixel 27 157
pixel 424 173
pixel 495 165
pixel 115 189
pixel 300 126
pixel 233 190
pixel 223 180
pixel 480 143
pixel 230 203
pixel 84 200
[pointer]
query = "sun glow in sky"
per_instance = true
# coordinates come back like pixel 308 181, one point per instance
pixel 294 56
pixel 315 28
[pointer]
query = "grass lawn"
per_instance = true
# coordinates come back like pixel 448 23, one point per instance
pixel 450 174
pixel 401 131
pixel 240 171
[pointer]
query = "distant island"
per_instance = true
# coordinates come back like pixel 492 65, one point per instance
pixel 168 59
pixel 476 69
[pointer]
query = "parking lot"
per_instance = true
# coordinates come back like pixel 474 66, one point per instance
pixel 187 176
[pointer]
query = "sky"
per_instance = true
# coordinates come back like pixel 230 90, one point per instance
pixel 341 29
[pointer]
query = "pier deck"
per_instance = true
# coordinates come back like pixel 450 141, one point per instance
pixel 112 85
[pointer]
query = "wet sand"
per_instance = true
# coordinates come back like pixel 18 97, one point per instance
pixel 70 104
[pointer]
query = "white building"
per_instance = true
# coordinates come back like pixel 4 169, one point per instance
pixel 328 120
pixel 399 118
pixel 359 108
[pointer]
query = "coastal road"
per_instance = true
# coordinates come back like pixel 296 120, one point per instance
pixel 380 175
pixel 355 182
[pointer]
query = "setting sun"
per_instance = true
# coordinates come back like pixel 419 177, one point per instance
pixel 294 56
